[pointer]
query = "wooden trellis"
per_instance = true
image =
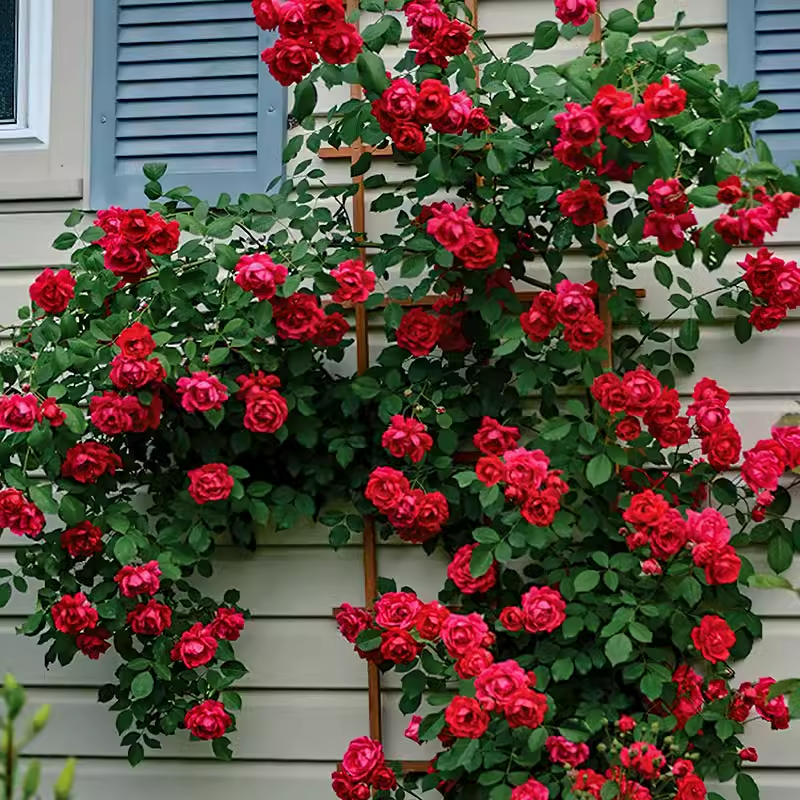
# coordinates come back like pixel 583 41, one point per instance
pixel 370 560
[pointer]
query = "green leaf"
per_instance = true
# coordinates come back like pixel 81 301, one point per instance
pixel 746 787
pixel 618 649
pixel 369 640
pixel 154 171
pixel 646 10
pixel 142 685
pixel 599 469
pixel 486 536
pixel 689 335
pixel 587 580
pixel 663 152
pixel 75 421
pixel 546 35
pixel 372 72
pixel 769 582
pixel 622 21
pixel 64 241
pixel 704 196
pixel 780 552
pixel 125 550
pixel 743 329
pixel 305 100
pixel 481 561
pixel 5 594
pixel 663 274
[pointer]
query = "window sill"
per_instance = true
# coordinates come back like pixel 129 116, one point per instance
pixel 67 189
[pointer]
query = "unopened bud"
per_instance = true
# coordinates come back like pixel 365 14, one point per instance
pixel 40 719
pixel 440 409
pixel 205 359
pixel 408 392
pixel 63 786
pixel 601 748
pixel 30 786
pixel 26 387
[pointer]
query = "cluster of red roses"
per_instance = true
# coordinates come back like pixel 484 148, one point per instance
pixel 764 464
pixel 307 28
pixel 691 696
pixel 434 35
pixel 87 462
pixel 52 291
pixel 416 515
pixel 639 393
pixel 131 238
pixel 363 769
pixel 571 305
pixel 403 110
pixel 749 223
pixel 773 281
pixel 662 528
pixel 407 436
pixel 528 481
pixel 20 412
pixel 455 230
pixel 671 216
pixel 420 331
pixel 19 515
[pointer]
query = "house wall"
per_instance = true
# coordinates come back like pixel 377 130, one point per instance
pixel 306 696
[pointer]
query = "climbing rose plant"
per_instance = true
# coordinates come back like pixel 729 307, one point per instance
pixel 188 383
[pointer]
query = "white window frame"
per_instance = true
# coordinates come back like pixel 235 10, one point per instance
pixel 34 77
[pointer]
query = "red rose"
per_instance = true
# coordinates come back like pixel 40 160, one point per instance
pixel 209 483
pixel 645 758
pixel 479 251
pixel 749 754
pixel 668 197
pixel 19 412
pixel 462 633
pixel 465 718
pixel 632 124
pixel 125 260
pixel 722 447
pixel 93 643
pixel 164 236
pixel 477 121
pixel 399 646
pixel 665 99
pixel 352 621
pixel 298 317
pixel 260 275
pixel 543 608
pixel 266 14
pixel 289 60
pixel 136 341
pixel 89 461
pixel 196 647
pixel 135 373
pixel 266 411
pixel 691 787
pixel 255 382
pixel 562 751
pixel 495 439
pixel 763 466
pixel 18 514
pixel 628 429
pixel 143 579
pixel 331 330
pixel 430 619
pixel 609 102
pixel 355 282
pixel 408 137
pixel 642 390
pixel 135 226
pixel 532 789
pixel 669 535
pixel 498 682
pixel 450 226
pixel 525 709
pixel 407 437
pixel 150 619
pixel 83 540
pixel 460 572
pixel 473 663
pixel 431 515
pixel 74 613
pixel 452 38
pixel 512 619
pixel 713 637
pixel 202 392
pixel 433 101
pixel 607 390
pixel 585 333
pixel 646 509
pixel 767 318
pixel 323 13
pixel 730 190
pixel 490 470
pixel 723 565
pixel 574 12
pixel 384 779
pixel 539 320
pixel 52 412
pixel 386 488
pixel 209 720
pixel 339 44
pixel 579 126
pixel 109 414
pixel 669 229
pixel 573 301
pixel 362 758
pixel 397 610
pixel 584 205
pixel 52 291
pixel 418 332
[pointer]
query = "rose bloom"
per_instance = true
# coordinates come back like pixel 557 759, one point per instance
pixel 408 137
pixel 532 789
pixel 722 565
pixel 298 317
pixel 331 330
pixel 109 414
pixel 479 251
pixel 749 754
pixel 670 535
pixel 83 540
pixel 430 619
pixel 607 390
pixel 150 619
pixel 397 610
pixel 665 99
pixel 473 663
pixel 19 412
pixel 578 125
pixel 196 647
pixel 646 509
pixel 450 226
pixel 628 429
pixel 52 412
pixel 460 572
pixel 584 205
pixel 543 608
pixel 525 709
pixel 562 751
pixel 399 646
pixel 352 621
pixel 642 390
pixel 136 341
pixel 407 437
pixel 135 373
pixel 763 465
pixel 93 643
pixel 202 392
pixel 465 718
pixel 260 275
pixel 585 333
pixel 125 260
pixel 134 581
pixel 399 101
pixel 386 488
pixel 18 514
pixel 412 731
pixel 89 461
pixel 490 470
pixel 339 43
pixel 573 301
pixel 722 447
pixel 713 637
pixel 362 758
pixel 512 619
pixel 228 624
pixel 266 411
pixel 209 720
pixel 290 60
pixel 497 683
pixel 539 320
pixel 691 787
pixel 645 758
pixel 493 438
pixel 74 613
pixel 570 12
pixel 355 282
pixel 433 101
pixel 462 633
pixel 418 332
pixel 52 291
pixel 210 482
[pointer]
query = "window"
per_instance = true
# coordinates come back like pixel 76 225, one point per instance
pixel 26 28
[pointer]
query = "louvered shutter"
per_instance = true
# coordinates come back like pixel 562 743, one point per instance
pixel 764 45
pixel 181 82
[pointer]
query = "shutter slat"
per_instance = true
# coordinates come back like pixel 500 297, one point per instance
pixel 777 81
pixel 761 5
pixel 769 62
pixel 786 101
pixel 182 83
pixel 785 121
pixel 778 20
pixel 771 41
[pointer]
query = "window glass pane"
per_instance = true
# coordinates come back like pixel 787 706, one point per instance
pixel 8 60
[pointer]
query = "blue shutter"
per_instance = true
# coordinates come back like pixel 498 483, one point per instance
pixel 764 46
pixel 182 82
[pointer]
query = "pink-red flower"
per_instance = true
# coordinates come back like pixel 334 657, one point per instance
pixel 208 720
pixel 143 579
pixel 460 572
pixel 407 436
pixel 196 647
pixel 210 482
